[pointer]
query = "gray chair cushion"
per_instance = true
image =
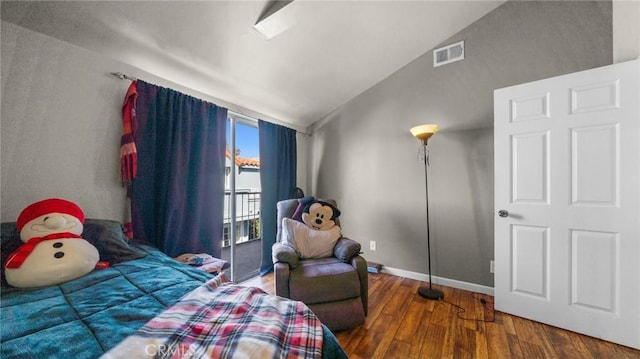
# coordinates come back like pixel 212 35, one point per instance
pixel 315 281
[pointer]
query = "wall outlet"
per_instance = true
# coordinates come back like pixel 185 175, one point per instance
pixel 372 245
pixel 492 267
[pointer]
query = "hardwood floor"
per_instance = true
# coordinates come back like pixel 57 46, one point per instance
pixel 401 324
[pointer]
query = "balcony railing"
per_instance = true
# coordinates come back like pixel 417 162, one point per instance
pixel 247 216
pixel 247 205
pixel 248 250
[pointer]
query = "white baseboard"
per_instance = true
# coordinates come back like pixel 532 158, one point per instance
pixel 437 280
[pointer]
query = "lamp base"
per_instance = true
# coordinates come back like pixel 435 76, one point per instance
pixel 430 293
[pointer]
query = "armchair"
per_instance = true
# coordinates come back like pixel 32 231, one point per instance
pixel 334 288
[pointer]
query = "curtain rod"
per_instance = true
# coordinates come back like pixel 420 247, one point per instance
pixel 123 76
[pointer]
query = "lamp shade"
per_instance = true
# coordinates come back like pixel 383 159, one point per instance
pixel 424 132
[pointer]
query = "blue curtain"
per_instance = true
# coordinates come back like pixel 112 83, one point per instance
pixel 177 197
pixel 277 180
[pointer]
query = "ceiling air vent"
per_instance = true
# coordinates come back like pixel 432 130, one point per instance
pixel 448 54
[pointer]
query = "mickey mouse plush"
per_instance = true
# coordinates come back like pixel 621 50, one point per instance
pixel 320 215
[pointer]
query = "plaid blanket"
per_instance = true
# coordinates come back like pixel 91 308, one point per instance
pixel 224 322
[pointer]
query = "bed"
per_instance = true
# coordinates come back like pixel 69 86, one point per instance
pixel 147 304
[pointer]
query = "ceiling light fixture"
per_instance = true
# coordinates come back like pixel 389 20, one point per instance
pixel 278 18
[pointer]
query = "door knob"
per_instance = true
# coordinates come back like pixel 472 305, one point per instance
pixel 503 213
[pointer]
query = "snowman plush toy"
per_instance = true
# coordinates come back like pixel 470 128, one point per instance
pixel 54 250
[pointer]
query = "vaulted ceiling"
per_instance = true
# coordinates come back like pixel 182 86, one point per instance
pixel 323 53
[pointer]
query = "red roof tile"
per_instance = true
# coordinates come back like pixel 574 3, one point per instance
pixel 243 161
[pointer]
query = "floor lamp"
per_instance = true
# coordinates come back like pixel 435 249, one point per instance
pixel 424 133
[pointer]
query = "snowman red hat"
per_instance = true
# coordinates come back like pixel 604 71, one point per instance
pixel 50 205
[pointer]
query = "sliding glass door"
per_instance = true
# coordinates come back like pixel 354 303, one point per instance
pixel 241 238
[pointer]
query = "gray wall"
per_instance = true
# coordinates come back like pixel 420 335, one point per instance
pixel 60 125
pixel 364 156
pixel 626 30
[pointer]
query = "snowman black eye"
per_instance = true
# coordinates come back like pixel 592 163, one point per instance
pixel 45 218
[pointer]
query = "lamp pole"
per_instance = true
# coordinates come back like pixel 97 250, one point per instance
pixel 428 293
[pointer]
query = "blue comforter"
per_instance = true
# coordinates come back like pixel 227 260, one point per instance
pixel 85 317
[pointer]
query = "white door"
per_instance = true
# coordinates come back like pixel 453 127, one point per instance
pixel 567 190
